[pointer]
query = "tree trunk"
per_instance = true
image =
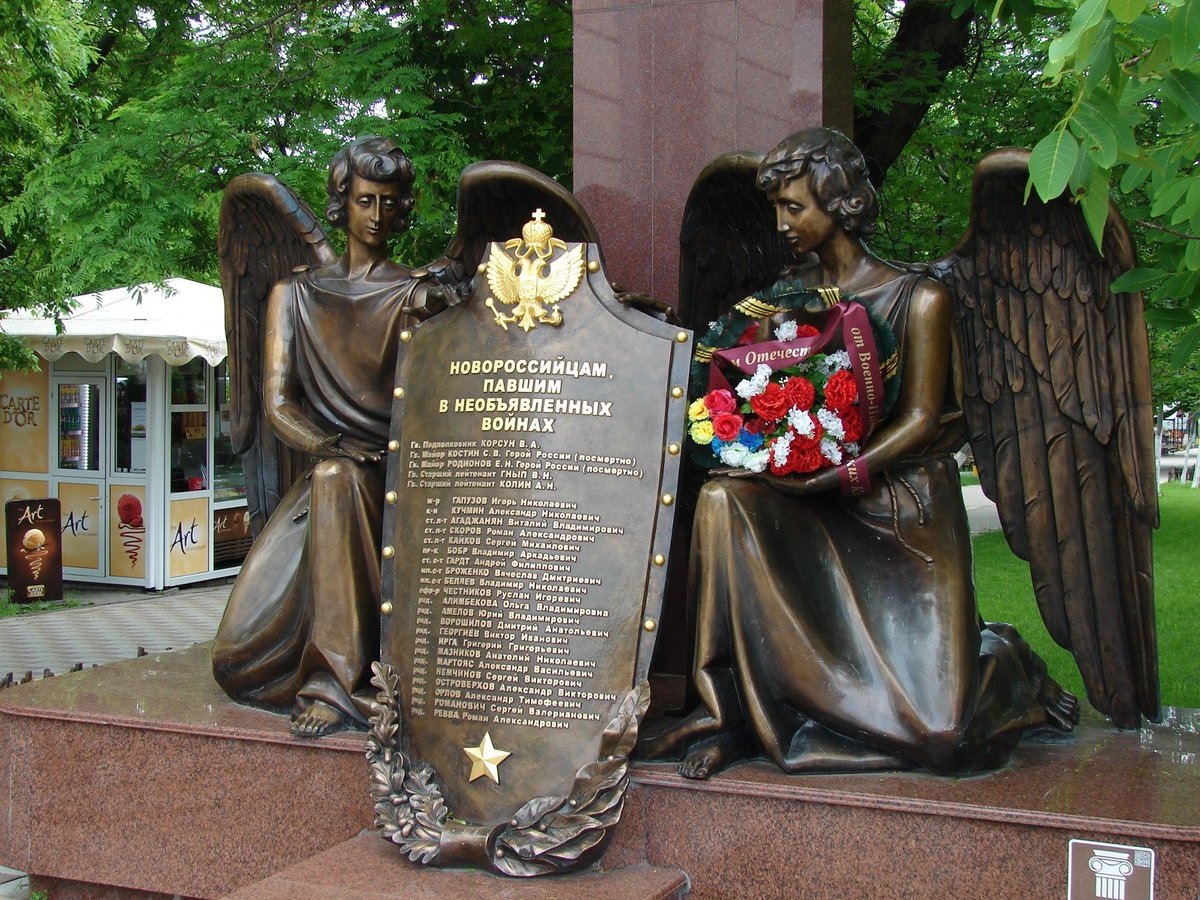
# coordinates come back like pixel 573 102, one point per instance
pixel 928 44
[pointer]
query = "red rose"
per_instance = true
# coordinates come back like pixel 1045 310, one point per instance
pixel 726 425
pixel 806 331
pixel 840 390
pixel 772 404
pixel 851 423
pixel 719 401
pixel 129 509
pixel 800 391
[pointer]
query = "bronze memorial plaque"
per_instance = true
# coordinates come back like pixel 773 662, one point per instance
pixel 531 482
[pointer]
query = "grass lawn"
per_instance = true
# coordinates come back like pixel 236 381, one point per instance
pixel 9 608
pixel 1006 595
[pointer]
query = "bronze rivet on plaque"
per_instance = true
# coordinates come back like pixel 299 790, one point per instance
pixel 682 337
pixel 673 449
pixel 393 446
pixel 649 625
pixel 482 268
pixel 668 499
pixel 659 559
pixel 389 552
pixel 405 336
pixel 677 392
pixel 398 393
pixel 390 496
pixel 593 266
pixel 386 607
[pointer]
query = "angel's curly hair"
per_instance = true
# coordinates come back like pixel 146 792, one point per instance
pixel 378 159
pixel 837 172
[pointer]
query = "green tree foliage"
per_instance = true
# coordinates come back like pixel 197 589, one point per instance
pixel 1133 72
pixel 183 95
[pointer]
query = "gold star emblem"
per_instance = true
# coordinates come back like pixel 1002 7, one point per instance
pixel 486 759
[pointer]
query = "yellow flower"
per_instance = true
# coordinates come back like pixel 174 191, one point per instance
pixel 702 432
pixel 697 411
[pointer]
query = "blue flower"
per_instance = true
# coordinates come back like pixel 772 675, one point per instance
pixel 749 440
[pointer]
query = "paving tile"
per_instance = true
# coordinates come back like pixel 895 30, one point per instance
pixel 101 634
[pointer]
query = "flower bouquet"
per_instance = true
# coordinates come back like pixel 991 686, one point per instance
pixel 802 402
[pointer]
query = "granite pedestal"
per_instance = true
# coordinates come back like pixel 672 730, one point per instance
pixel 143 776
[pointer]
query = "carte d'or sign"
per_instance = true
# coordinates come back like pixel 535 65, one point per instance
pixel 528 510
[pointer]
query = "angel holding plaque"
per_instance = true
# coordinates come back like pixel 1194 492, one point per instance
pixel 313 339
pixel 836 620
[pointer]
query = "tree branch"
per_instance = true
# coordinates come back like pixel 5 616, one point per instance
pixel 928 44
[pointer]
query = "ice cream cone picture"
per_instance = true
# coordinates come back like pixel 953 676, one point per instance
pixel 132 528
pixel 34 547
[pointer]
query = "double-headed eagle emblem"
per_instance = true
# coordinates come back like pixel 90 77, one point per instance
pixel 529 279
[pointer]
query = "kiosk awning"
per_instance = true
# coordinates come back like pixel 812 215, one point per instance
pixel 184 321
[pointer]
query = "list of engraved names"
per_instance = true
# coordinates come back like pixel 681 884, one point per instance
pixel 511 618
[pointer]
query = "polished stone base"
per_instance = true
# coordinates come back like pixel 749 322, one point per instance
pixel 141 775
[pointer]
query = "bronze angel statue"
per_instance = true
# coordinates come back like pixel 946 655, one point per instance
pixel 312 339
pixel 837 627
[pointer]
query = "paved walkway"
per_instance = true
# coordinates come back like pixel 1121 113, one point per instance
pixel 112 628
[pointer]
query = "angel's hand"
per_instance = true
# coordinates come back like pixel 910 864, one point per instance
pixel 358 454
pixel 646 304
pixel 814 483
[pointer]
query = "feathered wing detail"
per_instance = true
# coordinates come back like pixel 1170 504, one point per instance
pixel 265 232
pixel 565 275
pixel 1060 419
pixel 495 200
pixel 729 246
pixel 502 276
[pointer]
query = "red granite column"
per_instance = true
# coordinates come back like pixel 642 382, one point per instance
pixel 663 86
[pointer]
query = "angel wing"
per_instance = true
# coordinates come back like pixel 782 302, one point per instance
pixel 728 244
pixel 1060 419
pixel 495 199
pixel 265 232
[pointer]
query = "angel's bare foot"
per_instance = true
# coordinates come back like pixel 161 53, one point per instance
pixel 671 741
pixel 711 755
pixel 317 719
pixel 1060 705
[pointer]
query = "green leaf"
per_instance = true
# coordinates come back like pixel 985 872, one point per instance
pixel 1138 279
pixel 1186 347
pixel 1184 88
pixel 1097 135
pixel 1191 256
pixel 1164 199
pixel 1181 285
pixel 1094 204
pixel 1189 207
pixel 1088 15
pixel 1169 318
pixel 1187 25
pixel 1134 177
pixel 1051 163
pixel 1122 119
pixel 1126 11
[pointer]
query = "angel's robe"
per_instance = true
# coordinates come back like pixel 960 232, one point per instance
pixel 841 633
pixel 302 622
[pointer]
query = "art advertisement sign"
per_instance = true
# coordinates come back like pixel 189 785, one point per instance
pixel 80 523
pixel 126 530
pixel 536 451
pixel 19 489
pixel 188 537
pixel 31 530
